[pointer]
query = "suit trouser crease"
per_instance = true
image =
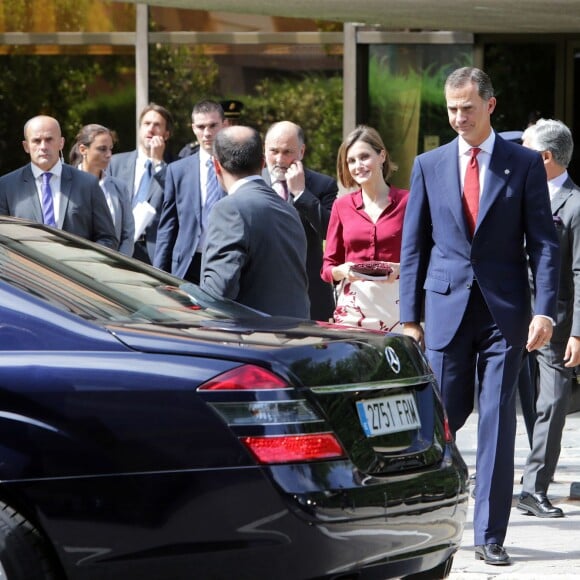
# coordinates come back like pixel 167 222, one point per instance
pixel 554 388
pixel 479 351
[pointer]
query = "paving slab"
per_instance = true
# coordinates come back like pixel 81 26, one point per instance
pixel 539 548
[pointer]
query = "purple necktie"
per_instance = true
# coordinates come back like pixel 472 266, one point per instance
pixel 281 188
pixel 47 202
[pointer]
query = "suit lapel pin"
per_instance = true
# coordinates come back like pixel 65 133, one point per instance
pixel 506 171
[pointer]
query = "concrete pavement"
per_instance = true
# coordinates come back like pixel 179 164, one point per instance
pixel 540 549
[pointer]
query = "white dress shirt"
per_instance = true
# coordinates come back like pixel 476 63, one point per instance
pixel 483 159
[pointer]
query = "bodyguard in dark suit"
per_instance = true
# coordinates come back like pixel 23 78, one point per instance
pixel 472 204
pixel 47 191
pixel 312 194
pixel 143 171
pixel 188 199
pixel 557 358
pixel 256 246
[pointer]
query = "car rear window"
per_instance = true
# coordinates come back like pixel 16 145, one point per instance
pixel 99 284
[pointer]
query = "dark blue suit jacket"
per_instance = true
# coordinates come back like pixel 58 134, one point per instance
pixel 439 261
pixel 180 223
pixel 83 209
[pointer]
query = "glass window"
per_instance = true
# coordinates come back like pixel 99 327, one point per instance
pixel 406 101
pixel 98 284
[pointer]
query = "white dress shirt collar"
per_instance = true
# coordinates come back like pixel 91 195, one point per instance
pixel 242 181
pixel 56 170
pixel 203 156
pixel 556 184
pixel 486 146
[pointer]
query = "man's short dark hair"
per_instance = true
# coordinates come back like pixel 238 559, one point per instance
pixel 207 106
pixel 239 156
pixel 469 74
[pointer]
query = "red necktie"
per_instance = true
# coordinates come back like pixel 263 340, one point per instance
pixel 471 190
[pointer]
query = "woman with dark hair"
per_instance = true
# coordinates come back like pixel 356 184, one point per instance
pixel 363 242
pixel 92 152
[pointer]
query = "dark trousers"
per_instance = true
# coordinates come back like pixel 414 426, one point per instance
pixel 527 390
pixel 140 252
pixel 193 273
pixel 479 349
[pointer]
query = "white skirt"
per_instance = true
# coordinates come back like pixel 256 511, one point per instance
pixel 368 304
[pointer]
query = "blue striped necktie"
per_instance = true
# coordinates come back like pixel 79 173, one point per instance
pixel 47 201
pixel 141 194
pixel 213 193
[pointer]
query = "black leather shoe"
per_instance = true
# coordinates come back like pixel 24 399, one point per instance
pixel 493 554
pixel 538 504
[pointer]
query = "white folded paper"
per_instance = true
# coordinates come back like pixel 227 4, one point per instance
pixel 143 214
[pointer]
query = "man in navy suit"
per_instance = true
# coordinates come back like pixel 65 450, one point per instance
pixel 312 194
pixel 50 192
pixel 256 246
pixel 186 204
pixel 473 284
pixel 143 171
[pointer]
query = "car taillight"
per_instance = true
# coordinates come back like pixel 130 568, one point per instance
pixel 292 448
pixel 304 436
pixel 245 378
pixel 266 412
pixel 447 430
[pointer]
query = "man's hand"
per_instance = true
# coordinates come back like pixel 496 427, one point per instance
pixel 295 179
pixel 539 333
pixel 572 354
pixel 415 330
pixel 157 149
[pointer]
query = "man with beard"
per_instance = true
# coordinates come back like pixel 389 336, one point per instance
pixel 312 195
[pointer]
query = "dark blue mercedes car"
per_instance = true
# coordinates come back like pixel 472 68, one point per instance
pixel 149 431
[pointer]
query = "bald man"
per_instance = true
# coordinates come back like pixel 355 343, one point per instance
pixel 256 247
pixel 312 195
pixel 47 191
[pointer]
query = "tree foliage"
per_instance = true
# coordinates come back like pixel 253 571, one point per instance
pixel 32 85
pixel 313 101
pixel 78 90
pixel 179 76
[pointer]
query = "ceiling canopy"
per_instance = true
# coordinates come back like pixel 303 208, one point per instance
pixel 478 16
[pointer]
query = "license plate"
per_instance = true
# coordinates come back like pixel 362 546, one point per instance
pixel 388 415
